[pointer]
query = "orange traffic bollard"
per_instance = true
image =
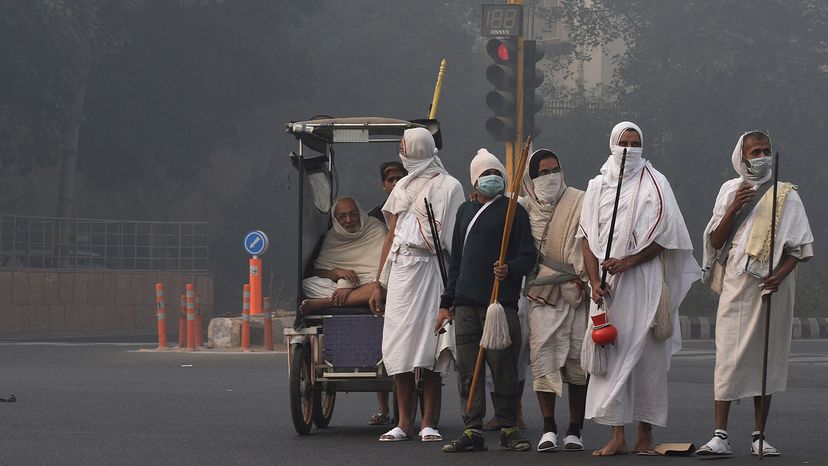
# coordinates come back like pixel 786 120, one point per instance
pixel 199 323
pixel 268 325
pixel 255 285
pixel 191 317
pixel 161 316
pixel 182 322
pixel 245 336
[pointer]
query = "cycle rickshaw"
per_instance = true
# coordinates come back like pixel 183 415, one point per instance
pixel 334 349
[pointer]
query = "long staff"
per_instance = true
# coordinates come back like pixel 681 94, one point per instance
pixel 768 310
pixel 507 231
pixel 435 236
pixel 594 357
pixel 614 215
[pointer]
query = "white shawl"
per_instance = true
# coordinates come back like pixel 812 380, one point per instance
pixel 647 212
pixel 359 251
pixel 793 231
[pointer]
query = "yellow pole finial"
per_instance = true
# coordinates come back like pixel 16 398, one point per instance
pixel 432 110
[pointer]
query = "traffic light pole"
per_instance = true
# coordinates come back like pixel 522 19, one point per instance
pixel 512 148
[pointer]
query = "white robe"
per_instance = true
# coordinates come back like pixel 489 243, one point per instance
pixel 740 317
pixel 556 329
pixel 635 384
pixel 414 282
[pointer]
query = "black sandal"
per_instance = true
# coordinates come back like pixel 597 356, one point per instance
pixel 469 441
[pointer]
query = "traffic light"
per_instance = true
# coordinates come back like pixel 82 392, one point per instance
pixel 502 74
pixel 532 79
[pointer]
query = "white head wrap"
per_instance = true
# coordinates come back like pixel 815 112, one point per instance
pixel 529 182
pixel 739 165
pixel 540 212
pixel 634 162
pixel 338 230
pixel 418 154
pixel 485 160
pixel 358 251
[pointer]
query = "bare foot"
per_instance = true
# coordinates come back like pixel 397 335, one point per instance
pixel 310 305
pixel 613 447
pixel 644 444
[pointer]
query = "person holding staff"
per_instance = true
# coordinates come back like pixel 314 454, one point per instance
pixel 651 268
pixel 736 254
pixel 477 238
pixel 409 270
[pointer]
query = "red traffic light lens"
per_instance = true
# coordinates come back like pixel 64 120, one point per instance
pixel 503 52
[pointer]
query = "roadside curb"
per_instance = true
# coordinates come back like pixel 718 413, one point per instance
pixel 704 328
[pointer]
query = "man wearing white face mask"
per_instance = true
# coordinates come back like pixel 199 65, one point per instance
pixel 736 255
pixel 651 268
pixel 412 277
pixel 558 306
pixel 477 237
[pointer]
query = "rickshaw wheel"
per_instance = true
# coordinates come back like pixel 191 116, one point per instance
pixel 323 406
pixel 301 391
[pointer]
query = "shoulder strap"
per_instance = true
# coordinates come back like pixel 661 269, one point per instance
pixel 474 219
pixel 721 255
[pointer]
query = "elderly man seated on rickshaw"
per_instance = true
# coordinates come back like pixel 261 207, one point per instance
pixel 347 263
pixel 346 268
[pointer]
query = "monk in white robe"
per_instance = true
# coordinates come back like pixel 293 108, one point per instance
pixel 651 269
pixel 736 258
pixel 558 306
pixel 411 275
pixel 348 260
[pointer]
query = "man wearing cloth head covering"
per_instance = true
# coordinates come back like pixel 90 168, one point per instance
pixel 651 268
pixel 736 254
pixel 412 277
pixel 558 305
pixel 477 237
pixel 348 261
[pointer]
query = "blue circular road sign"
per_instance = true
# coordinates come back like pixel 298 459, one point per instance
pixel 255 242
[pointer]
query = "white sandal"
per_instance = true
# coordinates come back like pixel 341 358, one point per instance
pixel 548 442
pixel 717 446
pixel 767 449
pixel 394 435
pixel 573 443
pixel 430 434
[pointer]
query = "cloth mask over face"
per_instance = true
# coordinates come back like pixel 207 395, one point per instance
pixel 634 161
pixel 417 149
pixel 548 187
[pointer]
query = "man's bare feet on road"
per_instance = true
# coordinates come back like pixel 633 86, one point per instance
pixel 645 439
pixel 613 447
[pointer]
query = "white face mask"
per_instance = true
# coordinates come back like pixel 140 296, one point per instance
pixel 548 187
pixel 759 167
pixel 618 151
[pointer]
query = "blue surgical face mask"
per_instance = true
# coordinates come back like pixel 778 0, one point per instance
pixel 490 185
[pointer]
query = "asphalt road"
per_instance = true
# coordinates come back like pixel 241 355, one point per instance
pixel 103 402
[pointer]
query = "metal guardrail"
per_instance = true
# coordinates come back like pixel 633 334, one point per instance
pixel 74 243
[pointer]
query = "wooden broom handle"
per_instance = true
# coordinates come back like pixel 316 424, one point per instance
pixel 510 212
